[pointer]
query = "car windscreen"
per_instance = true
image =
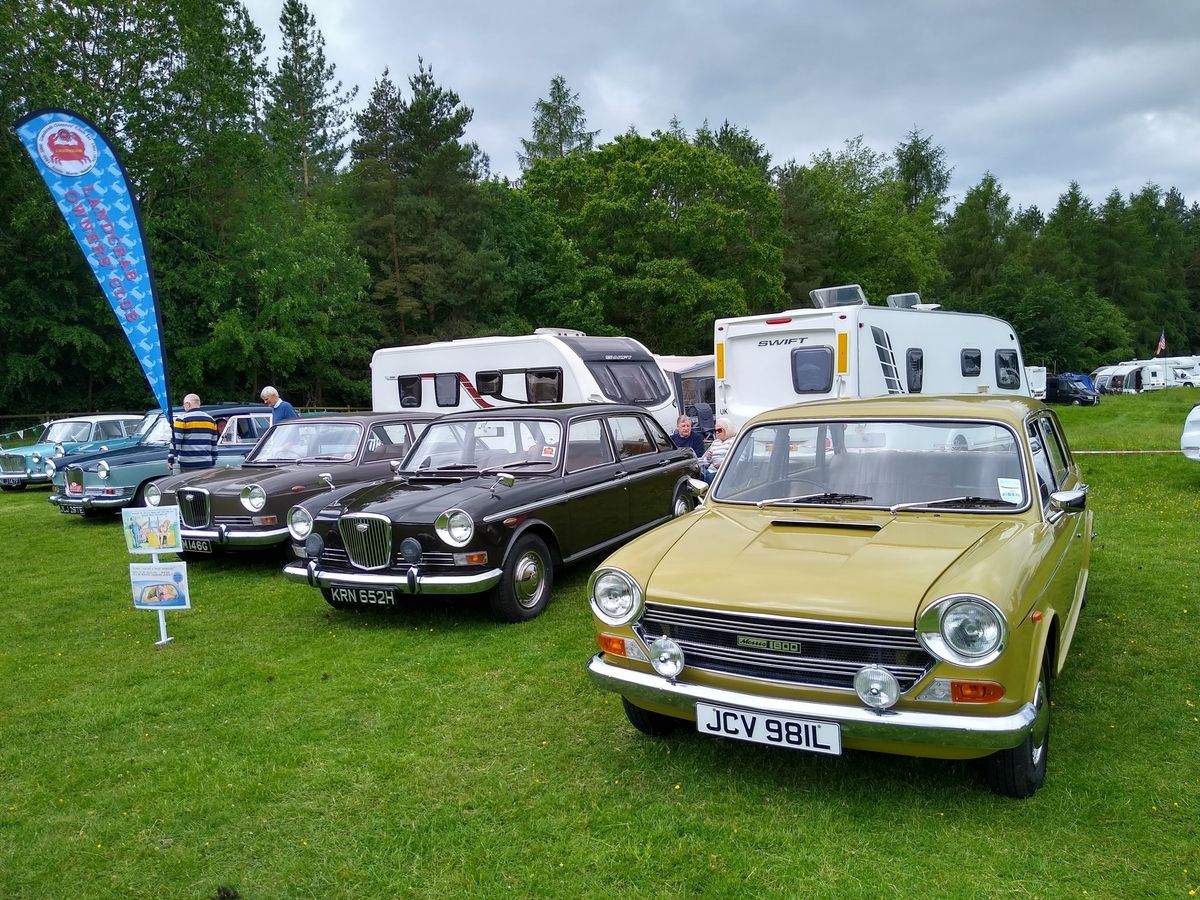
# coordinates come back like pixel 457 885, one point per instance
pixel 961 465
pixel 519 445
pixel 159 433
pixel 66 431
pixel 315 441
pixel 641 383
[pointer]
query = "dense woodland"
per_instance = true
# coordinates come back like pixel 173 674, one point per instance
pixel 290 236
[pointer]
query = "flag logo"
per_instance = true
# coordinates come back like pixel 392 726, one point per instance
pixel 66 150
pixel 1162 342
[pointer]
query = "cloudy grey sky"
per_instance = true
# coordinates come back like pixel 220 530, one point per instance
pixel 1105 92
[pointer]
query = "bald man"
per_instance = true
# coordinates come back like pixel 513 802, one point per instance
pixel 195 436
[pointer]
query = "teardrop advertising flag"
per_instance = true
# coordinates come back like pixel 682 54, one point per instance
pixel 91 187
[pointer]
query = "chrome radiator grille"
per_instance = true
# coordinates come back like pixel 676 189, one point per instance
pixel 193 508
pixel 12 463
pixel 74 480
pixel 367 539
pixel 337 556
pixel 789 651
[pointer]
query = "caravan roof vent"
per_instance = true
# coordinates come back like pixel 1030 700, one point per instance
pixel 843 295
pixel 904 301
pixel 561 332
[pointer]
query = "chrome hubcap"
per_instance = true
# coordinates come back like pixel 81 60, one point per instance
pixel 528 579
pixel 1041 723
pixel 681 506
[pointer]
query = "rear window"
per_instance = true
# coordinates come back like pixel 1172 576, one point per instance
pixel 812 370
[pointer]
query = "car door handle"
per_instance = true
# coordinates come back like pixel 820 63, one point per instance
pixel 621 474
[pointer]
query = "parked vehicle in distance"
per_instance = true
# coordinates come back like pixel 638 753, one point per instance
pixel 902 575
pixel 1189 442
pixel 549 366
pixel 692 382
pixel 111 479
pixel 848 348
pixel 23 466
pixel 1036 377
pixel 494 501
pixel 245 507
pixel 1067 388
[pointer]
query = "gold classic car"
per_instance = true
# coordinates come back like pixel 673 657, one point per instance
pixel 899 574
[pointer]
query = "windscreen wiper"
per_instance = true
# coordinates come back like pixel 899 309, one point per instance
pixel 963 502
pixel 822 497
pixel 520 464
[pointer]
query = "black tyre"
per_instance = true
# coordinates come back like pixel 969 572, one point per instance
pixel 525 585
pixel 19 486
pixel 1021 770
pixel 651 723
pixel 1075 402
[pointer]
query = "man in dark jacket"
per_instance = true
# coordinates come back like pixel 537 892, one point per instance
pixel 195 434
pixel 684 436
pixel 280 408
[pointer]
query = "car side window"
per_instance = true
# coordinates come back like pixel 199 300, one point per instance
pixel 630 437
pixel 1054 448
pixel 659 435
pixel 1041 461
pixel 587 445
pixel 386 441
pixel 108 429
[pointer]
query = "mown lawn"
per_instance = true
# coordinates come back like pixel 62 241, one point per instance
pixel 280 748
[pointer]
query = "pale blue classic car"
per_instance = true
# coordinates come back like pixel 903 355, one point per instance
pixel 23 466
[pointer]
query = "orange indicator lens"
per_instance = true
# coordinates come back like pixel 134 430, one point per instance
pixel 975 691
pixel 611 643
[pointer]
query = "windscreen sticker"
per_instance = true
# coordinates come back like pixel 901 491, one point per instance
pixel 548 452
pixel 1010 489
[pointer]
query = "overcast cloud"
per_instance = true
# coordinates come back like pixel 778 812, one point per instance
pixel 1038 93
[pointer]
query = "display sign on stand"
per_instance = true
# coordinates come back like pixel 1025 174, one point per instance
pixel 156 585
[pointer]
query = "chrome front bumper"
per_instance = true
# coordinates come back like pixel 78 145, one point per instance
pixel 89 501
pixel 24 478
pixel 413 582
pixel 223 536
pixel 857 722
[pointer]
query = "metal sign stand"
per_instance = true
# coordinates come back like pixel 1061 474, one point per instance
pixel 162 618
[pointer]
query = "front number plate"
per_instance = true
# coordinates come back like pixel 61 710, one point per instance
pixel 197 545
pixel 776 731
pixel 364 596
pixel 71 509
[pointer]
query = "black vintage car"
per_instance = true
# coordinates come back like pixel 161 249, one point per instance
pixel 244 507
pixel 494 501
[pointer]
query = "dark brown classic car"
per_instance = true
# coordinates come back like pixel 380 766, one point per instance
pixel 494 501
pixel 245 507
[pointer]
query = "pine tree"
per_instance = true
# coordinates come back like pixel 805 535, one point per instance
pixel 558 126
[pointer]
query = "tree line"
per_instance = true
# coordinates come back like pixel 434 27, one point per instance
pixel 291 237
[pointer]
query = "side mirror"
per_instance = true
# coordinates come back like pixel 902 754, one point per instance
pixel 327 478
pixel 1069 501
pixel 699 486
pixel 503 479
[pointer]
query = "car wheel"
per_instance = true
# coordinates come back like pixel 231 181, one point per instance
pixel 19 486
pixel 650 723
pixel 682 505
pixel 1075 402
pixel 1021 770
pixel 525 583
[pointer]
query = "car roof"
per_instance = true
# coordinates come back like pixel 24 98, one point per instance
pixel 366 418
pixel 559 411
pixel 1012 409
pixel 98 417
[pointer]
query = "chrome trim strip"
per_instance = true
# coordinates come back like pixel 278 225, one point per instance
pixel 856 722
pixel 425 584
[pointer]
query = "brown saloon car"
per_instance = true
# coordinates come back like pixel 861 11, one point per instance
pixel 246 506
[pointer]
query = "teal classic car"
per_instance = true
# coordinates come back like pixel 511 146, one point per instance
pixel 115 478
pixel 23 466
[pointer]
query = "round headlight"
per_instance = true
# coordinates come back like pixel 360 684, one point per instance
pixel 59 450
pixel 35 457
pixel 153 495
pixel 615 597
pixel 103 468
pixel 876 687
pixel 254 498
pixel 455 527
pixel 51 468
pixel 970 628
pixel 299 523
pixel 667 657
pixel 963 629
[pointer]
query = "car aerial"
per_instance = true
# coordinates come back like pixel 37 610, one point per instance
pixel 246 506
pixel 859 578
pixel 23 466
pixel 1189 441
pixel 1069 389
pixel 493 501
pixel 110 479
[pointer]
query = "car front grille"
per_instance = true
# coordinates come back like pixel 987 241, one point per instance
pixel 788 651
pixel 367 539
pixel 234 521
pixel 193 508
pixel 336 556
pixel 74 480
pixel 12 463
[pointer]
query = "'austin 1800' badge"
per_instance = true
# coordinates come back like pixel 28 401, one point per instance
pixel 757 643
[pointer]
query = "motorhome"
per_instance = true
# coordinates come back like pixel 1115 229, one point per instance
pixel 548 366
pixel 848 348
pixel 1135 376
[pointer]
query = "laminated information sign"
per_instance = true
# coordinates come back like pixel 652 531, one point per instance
pixel 160 585
pixel 151 529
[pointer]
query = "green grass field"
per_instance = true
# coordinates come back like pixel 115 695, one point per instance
pixel 279 748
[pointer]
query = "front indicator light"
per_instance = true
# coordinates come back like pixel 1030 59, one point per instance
pixel 876 687
pixel 975 691
pixel 264 520
pixel 666 657
pixel 471 559
pixel 616 645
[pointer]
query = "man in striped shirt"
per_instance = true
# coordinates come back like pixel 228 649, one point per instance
pixel 195 436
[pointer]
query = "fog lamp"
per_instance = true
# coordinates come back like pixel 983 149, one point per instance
pixel 666 657
pixel 314 546
pixel 410 550
pixel 876 687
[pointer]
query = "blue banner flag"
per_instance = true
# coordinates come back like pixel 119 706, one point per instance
pixel 92 191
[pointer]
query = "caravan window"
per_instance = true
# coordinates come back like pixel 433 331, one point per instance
pixel 544 385
pixel 630 382
pixel 915 368
pixel 972 363
pixel 1008 369
pixel 445 388
pixel 489 383
pixel 409 387
pixel 812 370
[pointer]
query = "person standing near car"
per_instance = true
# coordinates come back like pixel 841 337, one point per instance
pixel 195 437
pixel 280 408
pixel 685 436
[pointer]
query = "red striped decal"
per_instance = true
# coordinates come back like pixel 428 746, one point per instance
pixel 471 391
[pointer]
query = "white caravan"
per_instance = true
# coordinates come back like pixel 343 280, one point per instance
pixel 548 366
pixel 847 348
pixel 691 379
